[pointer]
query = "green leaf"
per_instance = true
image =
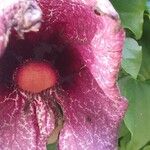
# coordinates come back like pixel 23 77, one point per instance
pixel 145 67
pixel 123 130
pixel 147 147
pixel 148 6
pixel 124 136
pixel 132 57
pixel 145 42
pixel 123 142
pixel 52 146
pixel 137 118
pixel 131 14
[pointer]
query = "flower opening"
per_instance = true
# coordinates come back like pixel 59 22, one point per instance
pixel 84 109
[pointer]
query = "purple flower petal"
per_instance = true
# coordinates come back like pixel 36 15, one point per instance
pixel 20 130
pixel 91 118
pixel 23 15
pixel 91 102
pixel 102 6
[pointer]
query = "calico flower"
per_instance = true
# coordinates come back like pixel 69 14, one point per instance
pixel 59 84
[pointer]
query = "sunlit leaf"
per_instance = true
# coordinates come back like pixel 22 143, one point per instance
pixel 131 14
pixel 132 57
pixel 137 117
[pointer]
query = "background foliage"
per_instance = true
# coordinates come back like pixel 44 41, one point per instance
pixel 134 78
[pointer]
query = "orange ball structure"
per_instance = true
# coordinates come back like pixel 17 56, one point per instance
pixel 35 76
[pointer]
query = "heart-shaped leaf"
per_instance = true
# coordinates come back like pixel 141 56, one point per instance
pixel 131 14
pixel 132 57
pixel 137 117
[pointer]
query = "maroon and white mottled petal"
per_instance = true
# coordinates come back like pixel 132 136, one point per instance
pixel 91 118
pixel 23 15
pixel 102 6
pixel 94 107
pixel 20 129
pixel 3 37
pixel 92 104
pixel 106 50
pixel 99 39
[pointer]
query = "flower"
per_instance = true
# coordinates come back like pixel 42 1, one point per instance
pixel 84 49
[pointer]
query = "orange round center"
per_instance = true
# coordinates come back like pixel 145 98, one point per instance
pixel 35 76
